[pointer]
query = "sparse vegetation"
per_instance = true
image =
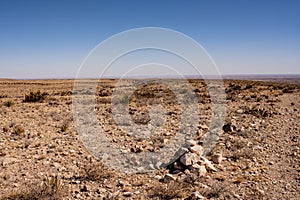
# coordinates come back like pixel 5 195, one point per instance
pixel 260 147
pixel 18 131
pixel 3 96
pixel 96 172
pixel 5 129
pixel 35 96
pixel 64 128
pixel 51 189
pixel 8 103
pixel 66 93
pixel 172 190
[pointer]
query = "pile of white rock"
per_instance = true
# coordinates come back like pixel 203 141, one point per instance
pixel 194 161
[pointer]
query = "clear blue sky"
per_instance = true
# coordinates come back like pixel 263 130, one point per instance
pixel 47 39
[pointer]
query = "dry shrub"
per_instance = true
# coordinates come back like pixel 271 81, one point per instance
pixel 64 127
pixel 51 189
pixel 172 190
pixel 8 103
pixel 35 96
pixel 18 131
pixel 96 172
pixel 216 190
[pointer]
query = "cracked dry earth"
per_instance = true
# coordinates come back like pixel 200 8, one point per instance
pixel 256 157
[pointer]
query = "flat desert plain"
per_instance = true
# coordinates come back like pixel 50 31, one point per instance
pixel 257 155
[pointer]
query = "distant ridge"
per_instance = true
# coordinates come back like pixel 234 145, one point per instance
pixel 285 78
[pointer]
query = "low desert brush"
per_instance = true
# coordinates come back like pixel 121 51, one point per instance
pixel 8 103
pixel 18 131
pixel 51 189
pixel 64 128
pixel 35 96
pixel 96 172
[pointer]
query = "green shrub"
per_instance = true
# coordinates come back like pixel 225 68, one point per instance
pixel 35 96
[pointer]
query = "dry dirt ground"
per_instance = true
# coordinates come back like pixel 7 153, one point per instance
pixel 43 157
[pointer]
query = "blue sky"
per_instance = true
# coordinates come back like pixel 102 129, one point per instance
pixel 50 39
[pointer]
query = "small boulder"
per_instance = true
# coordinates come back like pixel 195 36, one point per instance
pixel 197 195
pixel 197 149
pixel 189 159
pixel 217 158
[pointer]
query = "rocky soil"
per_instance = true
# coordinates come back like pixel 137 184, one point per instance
pixel 257 155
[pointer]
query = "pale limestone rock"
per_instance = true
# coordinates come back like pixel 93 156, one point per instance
pixel 189 159
pixel 197 149
pixel 208 165
pixel 191 142
pixel 200 169
pixel 197 195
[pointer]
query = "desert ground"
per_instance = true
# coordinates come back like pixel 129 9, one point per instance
pixel 257 155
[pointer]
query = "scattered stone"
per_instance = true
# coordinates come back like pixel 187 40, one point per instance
pixel 217 158
pixel 200 169
pixel 158 177
pixel 208 165
pixel 240 111
pixel 189 159
pixel 127 194
pixel 191 143
pixel 169 177
pixel 260 191
pixel 187 172
pixel 197 195
pixel 56 165
pixel 197 149
pixel 84 189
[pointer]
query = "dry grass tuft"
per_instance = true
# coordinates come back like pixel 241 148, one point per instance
pixel 96 172
pixel 64 128
pixel 171 190
pixel 51 189
pixel 8 103
pixel 18 131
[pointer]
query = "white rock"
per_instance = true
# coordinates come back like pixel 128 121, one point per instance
pixel 208 165
pixel 197 195
pixel 197 149
pixel 191 142
pixel 240 111
pixel 189 159
pixel 200 169
pixel 127 194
